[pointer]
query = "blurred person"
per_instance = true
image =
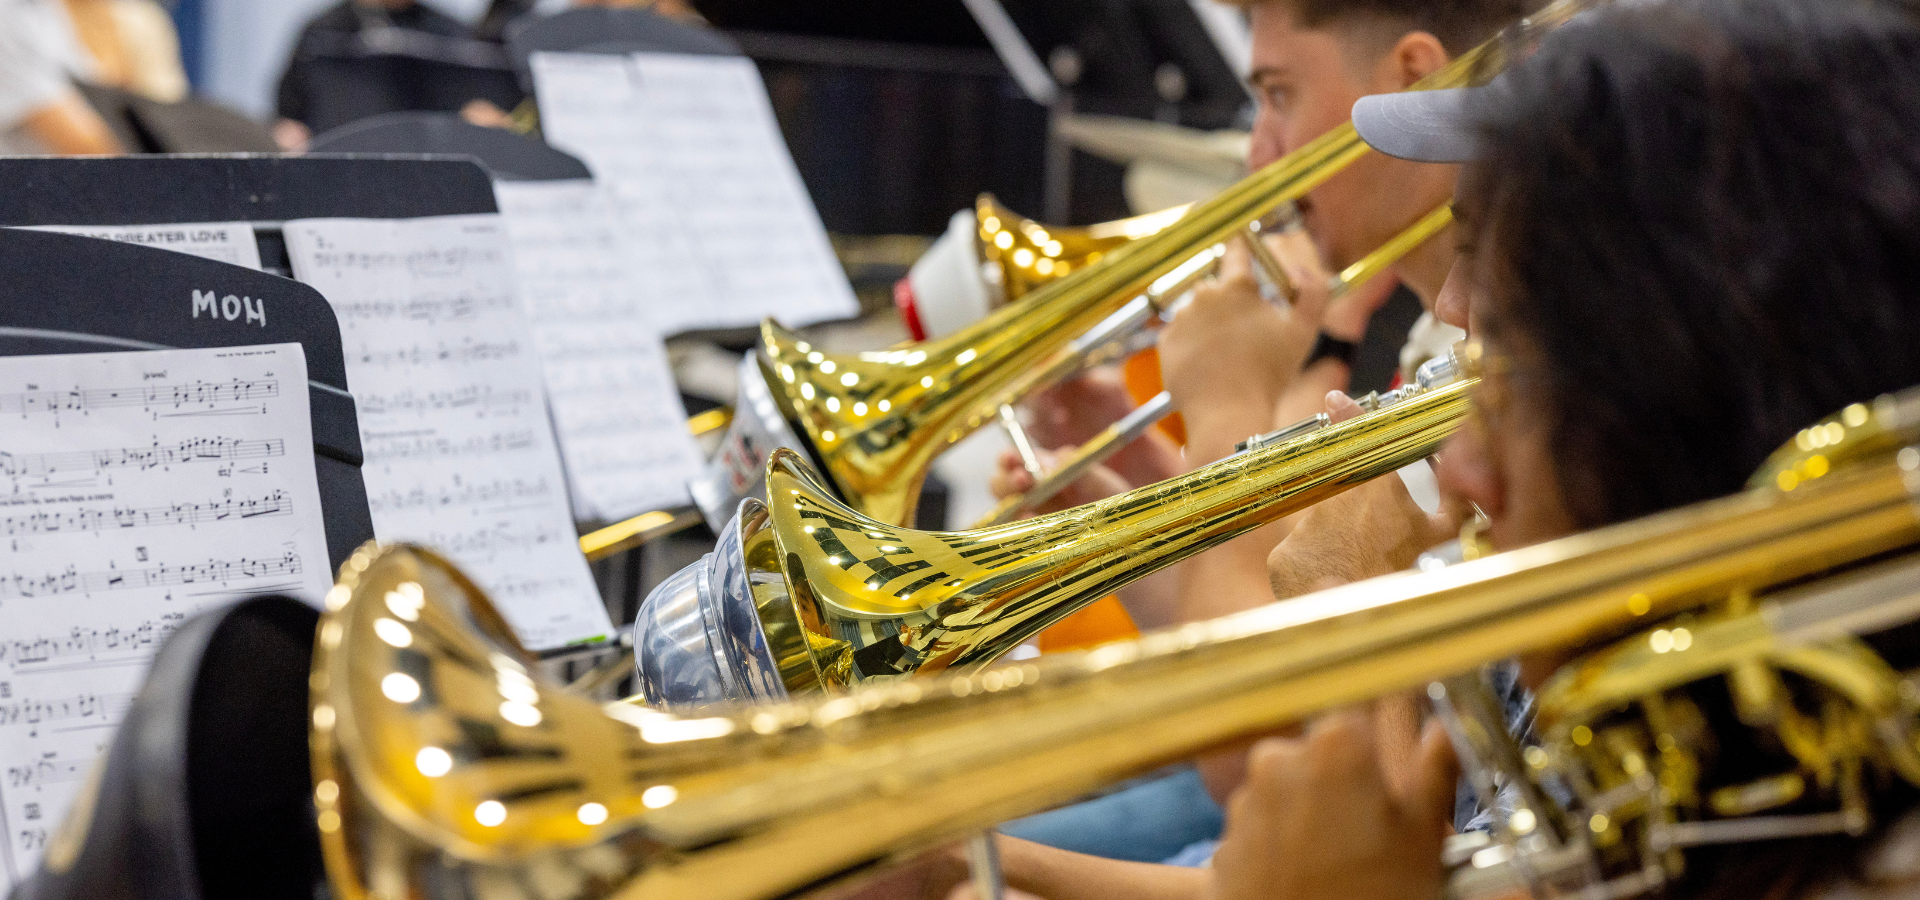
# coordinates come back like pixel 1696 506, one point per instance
pixel 40 110
pixel 361 58
pixel 1238 364
pixel 1687 239
pixel 1661 307
pixel 133 46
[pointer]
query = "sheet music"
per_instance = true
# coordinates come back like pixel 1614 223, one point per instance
pixel 136 489
pixel 693 152
pixel 623 431
pixel 228 242
pixel 453 421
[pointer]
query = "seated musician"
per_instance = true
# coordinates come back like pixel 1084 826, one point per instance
pixel 1239 365
pixel 1685 236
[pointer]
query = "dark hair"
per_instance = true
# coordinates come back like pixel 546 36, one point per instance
pixel 1702 228
pixel 1460 25
pixel 1704 217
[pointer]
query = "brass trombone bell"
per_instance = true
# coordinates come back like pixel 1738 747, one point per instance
pixel 444 767
pixel 803 593
pixel 991 256
pixel 875 421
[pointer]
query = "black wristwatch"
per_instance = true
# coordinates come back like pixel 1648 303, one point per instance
pixel 1329 346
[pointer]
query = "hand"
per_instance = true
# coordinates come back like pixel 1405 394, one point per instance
pixel 1356 810
pixel 1071 412
pixel 1373 529
pixel 1229 351
pixel 1012 478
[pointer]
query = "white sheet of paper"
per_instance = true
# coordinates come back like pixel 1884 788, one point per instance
pixel 228 242
pixel 460 455
pixel 691 149
pixel 623 432
pixel 140 488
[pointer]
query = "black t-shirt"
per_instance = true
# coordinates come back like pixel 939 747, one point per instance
pixel 354 61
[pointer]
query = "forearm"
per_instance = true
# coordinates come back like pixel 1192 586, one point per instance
pixel 1214 429
pixel 1154 601
pixel 1307 395
pixel 1229 578
pixel 69 127
pixel 1064 875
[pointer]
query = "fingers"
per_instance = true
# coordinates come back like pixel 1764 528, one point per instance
pixel 1439 773
pixel 1396 721
pixel 1341 407
pixel 1011 478
pixel 1294 250
pixel 1236 263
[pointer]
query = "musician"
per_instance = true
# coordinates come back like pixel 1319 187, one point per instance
pixel 1239 365
pixel 1684 237
pixel 1688 230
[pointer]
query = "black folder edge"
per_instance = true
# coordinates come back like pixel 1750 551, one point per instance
pixel 66 294
pixel 266 190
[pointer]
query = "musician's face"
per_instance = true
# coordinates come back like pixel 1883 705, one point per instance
pixel 1306 80
pixel 1503 460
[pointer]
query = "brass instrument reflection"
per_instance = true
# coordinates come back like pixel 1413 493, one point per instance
pixel 445 768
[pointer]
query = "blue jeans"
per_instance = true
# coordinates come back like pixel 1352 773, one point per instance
pixel 1149 822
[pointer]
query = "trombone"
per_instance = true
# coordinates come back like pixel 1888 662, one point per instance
pixel 1136 423
pixel 873 422
pixel 804 593
pixel 444 768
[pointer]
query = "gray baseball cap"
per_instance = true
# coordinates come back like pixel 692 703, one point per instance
pixel 1422 126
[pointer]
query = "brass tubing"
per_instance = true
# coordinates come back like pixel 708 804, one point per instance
pixel 629 533
pixel 876 420
pixel 863 600
pixel 601 802
pixel 1115 438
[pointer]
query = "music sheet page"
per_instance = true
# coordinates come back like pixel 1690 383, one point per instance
pixel 691 148
pixel 591 106
pixel 460 454
pixel 228 242
pixel 140 488
pixel 623 432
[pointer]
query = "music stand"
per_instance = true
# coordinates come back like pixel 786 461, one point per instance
pixel 66 294
pixel 506 156
pixel 611 31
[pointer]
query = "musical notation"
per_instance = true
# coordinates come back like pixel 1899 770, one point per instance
pixel 428 311
pixel 73 709
pixel 709 192
pixel 87 643
pixel 157 455
pixel 453 414
pixel 431 447
pixel 41 773
pixel 85 518
pixel 171 396
pixel 498 492
pixel 124 511
pixel 622 428
pixel 214 571
pixel 479 397
pixel 496 539
pixel 466 352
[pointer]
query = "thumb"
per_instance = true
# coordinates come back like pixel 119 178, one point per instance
pixel 1438 776
pixel 1341 407
pixel 1235 262
pixel 1294 250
